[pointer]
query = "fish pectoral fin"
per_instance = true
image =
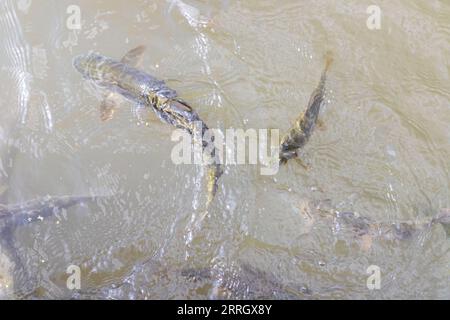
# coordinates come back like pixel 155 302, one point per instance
pixel 108 106
pixel 134 57
pixel 366 241
pixel 301 162
pixel 111 100
pixel 321 125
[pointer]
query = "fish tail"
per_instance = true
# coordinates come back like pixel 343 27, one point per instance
pixel 328 61
pixel 306 122
pixel 214 173
pixel 309 118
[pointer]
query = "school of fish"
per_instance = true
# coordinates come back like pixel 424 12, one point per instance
pixel 122 78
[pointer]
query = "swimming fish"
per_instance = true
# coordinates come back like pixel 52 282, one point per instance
pixel 246 282
pixel 111 99
pixel 300 132
pixel 22 213
pixel 12 216
pixel 145 90
pixel 367 230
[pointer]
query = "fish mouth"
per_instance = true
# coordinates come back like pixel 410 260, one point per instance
pixel 79 63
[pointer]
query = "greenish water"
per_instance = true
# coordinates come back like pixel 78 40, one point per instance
pixel 383 150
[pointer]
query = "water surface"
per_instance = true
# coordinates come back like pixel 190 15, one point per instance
pixel 383 151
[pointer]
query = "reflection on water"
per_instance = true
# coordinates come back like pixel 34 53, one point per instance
pixel 382 152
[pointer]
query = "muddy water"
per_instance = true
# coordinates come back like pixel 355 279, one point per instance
pixel 382 152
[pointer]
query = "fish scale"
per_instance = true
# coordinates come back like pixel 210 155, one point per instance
pixel 143 89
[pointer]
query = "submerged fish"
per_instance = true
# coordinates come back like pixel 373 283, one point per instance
pixel 367 230
pixel 392 231
pixel 303 127
pixel 143 89
pixel 111 99
pixel 12 216
pixel 166 280
pixel 246 282
pixel 37 209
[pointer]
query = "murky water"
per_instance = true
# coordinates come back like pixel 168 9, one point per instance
pixel 383 150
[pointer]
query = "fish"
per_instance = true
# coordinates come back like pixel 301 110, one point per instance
pixel 300 132
pixel 389 230
pixel 145 90
pixel 138 87
pixel 242 280
pixel 111 99
pixel 366 230
pixel 246 281
pixel 15 215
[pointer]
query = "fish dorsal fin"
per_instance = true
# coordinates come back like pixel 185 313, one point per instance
pixel 182 105
pixel 133 58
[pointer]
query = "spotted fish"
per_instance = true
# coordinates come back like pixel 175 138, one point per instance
pixel 145 90
pixel 15 215
pixel 367 230
pixel 111 99
pixel 246 282
pixel 299 134
pixel 38 209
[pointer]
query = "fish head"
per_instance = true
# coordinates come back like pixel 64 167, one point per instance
pixel 90 65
